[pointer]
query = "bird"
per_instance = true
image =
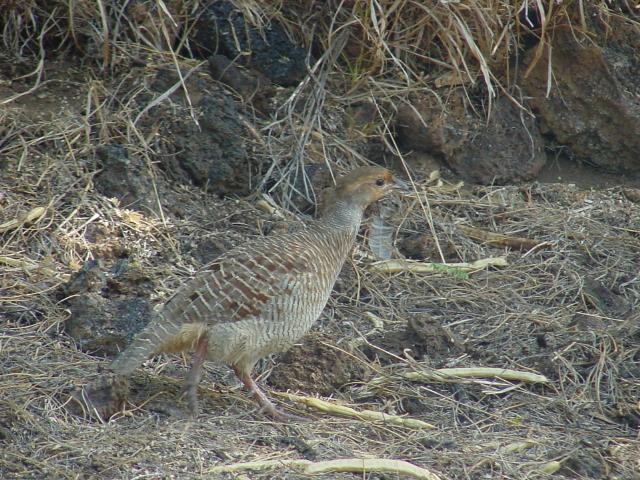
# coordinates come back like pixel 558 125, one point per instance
pixel 260 297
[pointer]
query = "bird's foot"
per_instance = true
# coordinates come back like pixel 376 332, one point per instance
pixel 190 388
pixel 281 416
pixel 266 406
pixel 191 393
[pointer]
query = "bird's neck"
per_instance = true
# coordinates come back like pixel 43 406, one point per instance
pixel 343 215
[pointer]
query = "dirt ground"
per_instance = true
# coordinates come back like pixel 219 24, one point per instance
pixel 561 303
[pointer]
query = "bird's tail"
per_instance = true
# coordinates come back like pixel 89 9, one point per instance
pixel 168 330
pixel 158 331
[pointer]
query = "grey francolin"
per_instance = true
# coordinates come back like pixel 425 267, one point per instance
pixel 261 297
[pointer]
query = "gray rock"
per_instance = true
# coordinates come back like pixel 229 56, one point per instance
pixel 593 107
pixel 506 149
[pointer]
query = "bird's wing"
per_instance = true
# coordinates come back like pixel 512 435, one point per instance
pixel 245 282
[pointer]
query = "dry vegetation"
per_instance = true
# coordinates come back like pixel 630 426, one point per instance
pixel 563 306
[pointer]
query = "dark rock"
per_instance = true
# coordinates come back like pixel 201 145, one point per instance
pixel 508 148
pixel 302 447
pixel 593 107
pixel 124 178
pixel 213 156
pixel 89 278
pixel 123 279
pixel 209 153
pixel 105 314
pixel 362 130
pixel 14 419
pixel 104 327
pixel 425 126
pixel 430 337
pixel 222 29
pixel 632 194
pixel 194 86
pixel 309 189
pixel 204 250
pixel 309 183
pixel 253 87
pixel 440 443
pixel 626 413
pixel 143 17
pixel 421 164
pixel 361 116
pixel 583 322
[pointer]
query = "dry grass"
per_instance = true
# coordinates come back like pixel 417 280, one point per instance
pixel 485 427
pixel 566 311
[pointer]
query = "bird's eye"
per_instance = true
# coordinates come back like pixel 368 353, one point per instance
pixel 380 182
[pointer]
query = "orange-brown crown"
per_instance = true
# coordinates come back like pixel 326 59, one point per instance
pixel 363 186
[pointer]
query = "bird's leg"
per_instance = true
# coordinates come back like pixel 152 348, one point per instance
pixel 266 405
pixel 195 374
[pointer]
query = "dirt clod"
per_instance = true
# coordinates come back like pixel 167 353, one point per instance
pixel 423 337
pixel 421 246
pixel 100 399
pixel 124 178
pixel 317 367
pixel 106 307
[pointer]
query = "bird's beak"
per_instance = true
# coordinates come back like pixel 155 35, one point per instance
pixel 401 186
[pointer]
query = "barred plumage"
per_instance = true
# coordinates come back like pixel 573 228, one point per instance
pixel 261 297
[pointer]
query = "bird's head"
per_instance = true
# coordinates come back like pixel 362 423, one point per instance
pixel 365 185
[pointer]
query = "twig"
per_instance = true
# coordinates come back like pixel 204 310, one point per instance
pixel 395 266
pixel 354 465
pixel 30 266
pixel 367 465
pixel 368 415
pixel 267 205
pixel 259 466
pixel 453 374
pixel 30 217
pixel 498 239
